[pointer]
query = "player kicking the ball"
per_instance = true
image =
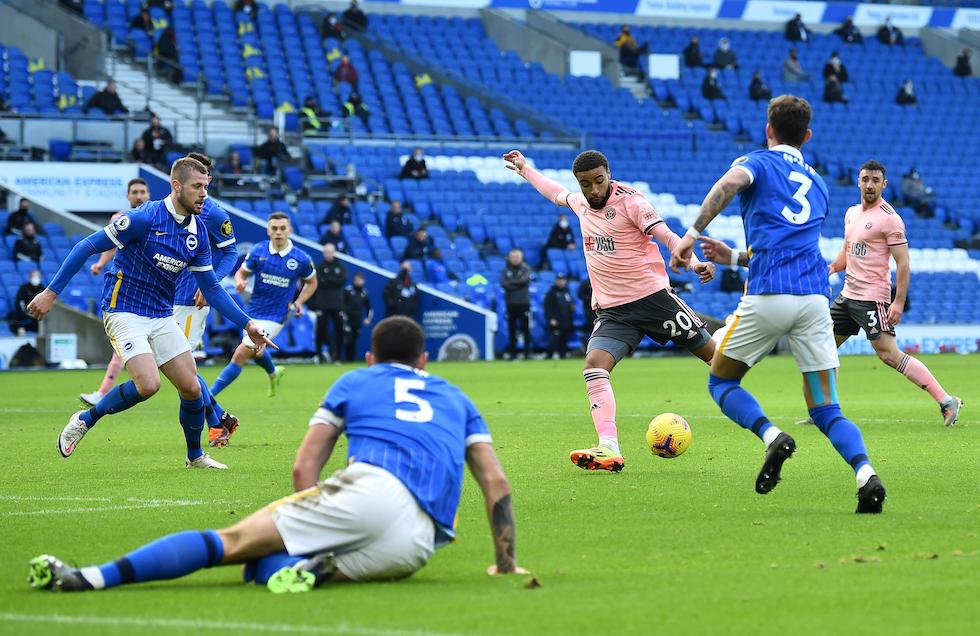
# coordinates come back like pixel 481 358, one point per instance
pixel 631 293
pixel 873 231
pixel 379 518
pixel 784 203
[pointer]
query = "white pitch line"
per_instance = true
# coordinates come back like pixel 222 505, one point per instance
pixel 37 498
pixel 227 626
pixel 131 504
pixel 713 416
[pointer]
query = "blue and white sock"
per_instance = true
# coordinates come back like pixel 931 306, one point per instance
pixel 168 557
pixel 742 408
pixel 120 398
pixel 228 375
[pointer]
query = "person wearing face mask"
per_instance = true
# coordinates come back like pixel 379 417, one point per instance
pixel 19 318
pixel 357 314
pixel 835 68
pixel 560 238
pixel 725 56
pixel 27 247
pixel 415 167
pixel 331 28
pixel 710 87
pixel 401 295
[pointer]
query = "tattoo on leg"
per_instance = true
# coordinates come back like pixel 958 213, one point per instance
pixel 503 534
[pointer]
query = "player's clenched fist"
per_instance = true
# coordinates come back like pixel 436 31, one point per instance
pixel 41 305
pixel 705 271
pixel 515 161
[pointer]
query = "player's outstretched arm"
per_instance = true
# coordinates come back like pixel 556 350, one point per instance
pixel 718 198
pixel 551 190
pixel 92 244
pixel 489 474
pixel 313 454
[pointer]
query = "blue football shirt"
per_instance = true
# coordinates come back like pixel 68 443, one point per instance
pixel 154 246
pixel 783 210
pixel 221 234
pixel 414 425
pixel 275 275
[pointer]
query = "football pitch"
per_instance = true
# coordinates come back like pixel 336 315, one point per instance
pixel 667 546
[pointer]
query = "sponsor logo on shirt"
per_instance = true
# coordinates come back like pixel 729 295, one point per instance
pixel 275 281
pixel 169 263
pixel 600 244
pixel 859 249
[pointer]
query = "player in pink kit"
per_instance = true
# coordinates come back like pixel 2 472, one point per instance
pixel 631 292
pixel 873 233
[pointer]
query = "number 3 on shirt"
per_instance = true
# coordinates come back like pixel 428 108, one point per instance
pixel 403 393
pixel 801 217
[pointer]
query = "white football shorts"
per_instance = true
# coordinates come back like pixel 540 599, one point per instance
pixel 366 517
pixel 192 320
pixel 270 328
pixel 761 320
pixel 132 335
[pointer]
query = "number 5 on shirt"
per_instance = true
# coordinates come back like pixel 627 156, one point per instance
pixel 403 394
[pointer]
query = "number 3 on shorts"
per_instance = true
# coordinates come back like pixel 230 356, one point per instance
pixel 403 393
pixel 801 217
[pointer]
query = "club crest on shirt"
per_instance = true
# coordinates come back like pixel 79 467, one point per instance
pixel 291 264
pixel 867 226
pixel 191 242
pixel 611 214
pixel 226 227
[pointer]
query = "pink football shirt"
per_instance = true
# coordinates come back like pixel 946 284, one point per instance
pixel 869 236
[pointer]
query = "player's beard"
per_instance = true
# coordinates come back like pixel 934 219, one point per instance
pixel 597 204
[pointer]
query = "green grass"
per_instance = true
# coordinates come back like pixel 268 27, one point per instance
pixel 671 546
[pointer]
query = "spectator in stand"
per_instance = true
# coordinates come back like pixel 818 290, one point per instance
pixel 107 100
pixel 437 269
pixel 561 236
pixel 234 164
pixel 516 281
pixel 27 247
pixel 796 31
pixel 629 49
pixel 692 53
pixel 890 34
pixel 355 107
pixel 168 57
pixel 247 7
pixel 335 236
pixel 835 68
pixel 559 309
pixel 419 247
pixel 142 21
pixel 848 32
pixel 138 153
pixel 156 140
pixel 345 73
pixel 273 153
pixel 401 295
pixel 19 318
pixel 585 297
pixel 331 28
pixel 415 167
pixel 396 224
pixel 328 302
pixel 355 19
pixel 758 90
pixel 313 121
pixel 906 94
pixel 916 194
pixel 340 211
pixel 724 55
pixel 963 67
pixel 710 87
pixel 19 218
pixel 833 92
pixel 793 70
pixel 357 314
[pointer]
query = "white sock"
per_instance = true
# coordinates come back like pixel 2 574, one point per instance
pixel 770 435
pixel 945 399
pixel 864 473
pixel 93 575
pixel 611 443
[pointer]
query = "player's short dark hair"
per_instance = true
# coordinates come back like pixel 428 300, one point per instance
pixel 136 181
pixel 203 158
pixel 589 160
pixel 789 117
pixel 872 165
pixel 397 339
pixel 182 168
pixel 279 215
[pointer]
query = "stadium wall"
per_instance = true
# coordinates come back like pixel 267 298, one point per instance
pixel 454 328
